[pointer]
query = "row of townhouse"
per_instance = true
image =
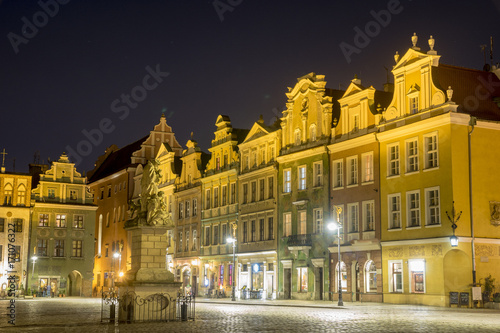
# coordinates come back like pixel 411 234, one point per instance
pixel 394 164
pixel 47 222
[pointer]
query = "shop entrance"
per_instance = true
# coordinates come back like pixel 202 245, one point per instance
pixel 287 283
pixel 318 285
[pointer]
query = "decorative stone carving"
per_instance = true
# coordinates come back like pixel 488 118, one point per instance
pixel 417 251
pixel 414 39
pixel 437 250
pixel 495 213
pixel 484 250
pixel 396 252
pixel 150 209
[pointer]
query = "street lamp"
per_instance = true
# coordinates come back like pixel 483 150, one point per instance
pixel 34 258
pixel 332 226
pixel 116 255
pixel 453 239
pixel 233 240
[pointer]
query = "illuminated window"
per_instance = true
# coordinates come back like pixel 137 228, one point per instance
pixel 302 177
pixel 303 280
pixel 187 208
pixel 195 207
pixel 59 248
pixel 394 202
pixel 187 241
pixel 369 215
pixel 412 155
pixel 2 225
pixel 370 277
pixel 352 165
pixel 343 277
pixel 41 247
pixel 18 225
pixel 43 220
pixel 78 221
pixel 318 220
pixel 393 156
pixel 302 222
pixel 7 192
pixel 433 206
pixel 367 167
pixel 179 242
pixel 181 210
pixel 353 217
pixel 195 240
pixel 318 173
pixel 413 208
pixel 287 181
pixel 395 276
pixel 287 218
pixel 21 195
pixel 77 248
pixel 338 174
pixel 416 268
pixel 431 151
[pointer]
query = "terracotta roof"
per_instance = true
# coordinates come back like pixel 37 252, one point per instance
pixel 116 161
pixel 473 90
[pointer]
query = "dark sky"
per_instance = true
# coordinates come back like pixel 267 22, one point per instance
pixel 69 76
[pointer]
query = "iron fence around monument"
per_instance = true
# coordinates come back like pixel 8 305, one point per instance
pixel 159 307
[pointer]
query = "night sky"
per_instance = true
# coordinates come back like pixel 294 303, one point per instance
pixel 73 73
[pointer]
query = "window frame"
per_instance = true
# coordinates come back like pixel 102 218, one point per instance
pixel 428 207
pixel 392 273
pixel 287 224
pixel 367 169
pixel 410 208
pixel 434 152
pixel 287 180
pixel 366 223
pixel 302 177
pixel 338 174
pixel 353 219
pixel 391 212
pixel 412 159
pixel 393 162
pixel 352 176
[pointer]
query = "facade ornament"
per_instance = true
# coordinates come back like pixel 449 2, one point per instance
pixel 396 57
pixel 449 93
pixel 495 213
pixel 431 43
pixel 414 39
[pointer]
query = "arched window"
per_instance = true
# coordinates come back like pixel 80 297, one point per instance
pixel 195 239
pixel 21 195
pixel 343 277
pixel 7 192
pixel 370 277
pixel 312 133
pixel 298 137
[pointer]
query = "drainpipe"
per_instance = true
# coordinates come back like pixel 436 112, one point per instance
pixel 472 122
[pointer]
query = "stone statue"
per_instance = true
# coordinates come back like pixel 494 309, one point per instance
pixel 150 208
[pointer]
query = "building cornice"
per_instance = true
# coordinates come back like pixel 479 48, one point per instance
pixel 352 143
pixel 301 154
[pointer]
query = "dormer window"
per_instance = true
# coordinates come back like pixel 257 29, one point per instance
pixel 298 139
pixel 312 132
pixel 355 123
pixel 413 99
pixel 414 105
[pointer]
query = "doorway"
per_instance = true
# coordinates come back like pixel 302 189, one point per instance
pixel 287 283
pixel 318 283
pixel 75 283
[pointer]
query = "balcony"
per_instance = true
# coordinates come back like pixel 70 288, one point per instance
pixel 299 240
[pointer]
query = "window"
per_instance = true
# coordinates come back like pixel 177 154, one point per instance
pixel 224 233
pixel 2 225
pixel 51 193
pixel 396 276
pixel 261 229
pixel 217 163
pixel 287 181
pixel 298 138
pixel 77 248
pixel 352 176
pixel 245 193
pixel 254 159
pixel 416 269
pixel 343 276
pixel 318 220
pixel 73 194
pixel 233 193
pixel 78 221
pixel 226 161
pixel 181 210
pixel 253 236
pixel 270 187
pixel 224 195
pixel 215 240
pixel 287 218
pixel 187 241
pixel 393 155
pixel 302 222
pixel 312 132
pixel 179 242
pixel 207 199
pixel 270 228
pixel 394 201
pixel 109 191
pixel 355 123
pixel 18 225
pixel 412 155
pixel 353 217
pixel 370 277
pixel 43 220
pixel 338 176
pixel 302 285
pixel 432 204
pixel 431 151
pixel 187 208
pixel 195 207
pixel 261 189
pixel 254 191
pixel 369 215
pixel 41 247
pixel 21 195
pixel 413 208
pixel 262 156
pixel 7 194
pixel 60 220
pixel 59 248
pixel 302 178
pixel 367 167
pixel 318 173
pixel 413 105
pixel 245 232
pixel 207 236
pixel 17 254
pixel 216 197
pixel 195 240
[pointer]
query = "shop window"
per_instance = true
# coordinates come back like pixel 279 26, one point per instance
pixel 416 269
pixel 343 277
pixel 395 276
pixel 370 277
pixel 302 282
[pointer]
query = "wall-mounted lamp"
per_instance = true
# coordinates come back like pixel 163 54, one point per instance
pixel 453 219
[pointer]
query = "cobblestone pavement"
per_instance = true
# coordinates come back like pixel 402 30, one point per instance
pixel 83 315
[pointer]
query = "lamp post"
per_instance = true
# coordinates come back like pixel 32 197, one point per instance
pixel 333 226
pixel 453 239
pixel 233 240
